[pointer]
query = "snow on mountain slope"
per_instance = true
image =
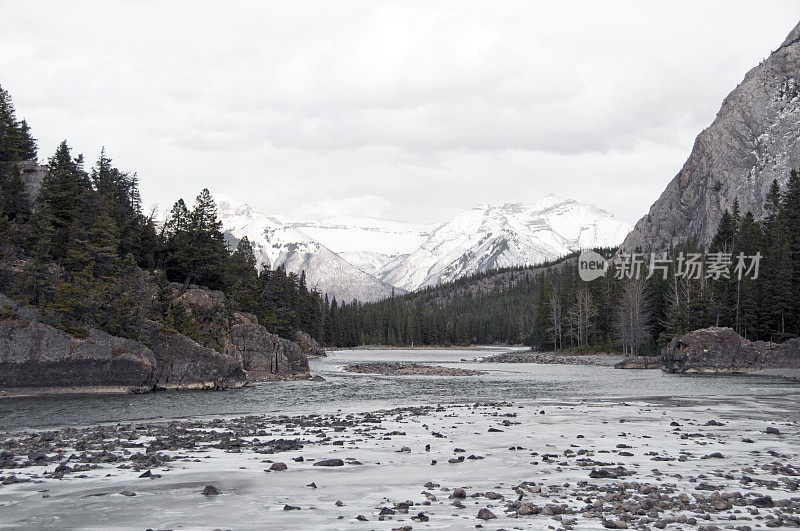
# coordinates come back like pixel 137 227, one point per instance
pixel 276 243
pixel 364 258
pixel 513 234
pixel 357 234
pixel 367 261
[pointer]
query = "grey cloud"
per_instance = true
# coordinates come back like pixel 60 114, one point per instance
pixel 432 106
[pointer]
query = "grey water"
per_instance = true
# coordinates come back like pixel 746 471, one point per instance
pixel 517 383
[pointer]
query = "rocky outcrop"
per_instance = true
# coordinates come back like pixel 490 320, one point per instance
pixel 721 350
pixel 308 345
pixel 182 363
pixel 36 353
pixel 753 140
pixel 263 355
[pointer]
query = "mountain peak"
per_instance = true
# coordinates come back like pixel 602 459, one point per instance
pixel 365 258
pixel 794 36
pixel 752 141
pixel 547 201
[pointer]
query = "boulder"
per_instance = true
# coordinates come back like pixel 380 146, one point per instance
pixel 721 350
pixel 225 351
pixel 200 298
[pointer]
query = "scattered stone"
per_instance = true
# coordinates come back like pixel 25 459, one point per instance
pixel 329 462
pixel 406 369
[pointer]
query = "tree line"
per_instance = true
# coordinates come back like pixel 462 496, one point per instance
pixel 549 307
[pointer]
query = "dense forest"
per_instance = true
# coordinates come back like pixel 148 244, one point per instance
pixel 84 249
pixel 550 307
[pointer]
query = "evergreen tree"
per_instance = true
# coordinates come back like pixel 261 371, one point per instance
pixel 14 202
pixel 790 203
pixel 16 142
pixel 62 214
pixel 241 281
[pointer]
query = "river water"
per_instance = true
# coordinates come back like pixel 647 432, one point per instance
pixel 518 383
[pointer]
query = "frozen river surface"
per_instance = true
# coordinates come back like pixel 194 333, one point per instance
pixel 661 440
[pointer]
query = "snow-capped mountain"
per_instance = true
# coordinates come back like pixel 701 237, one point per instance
pixel 488 237
pixel 277 243
pixel 365 258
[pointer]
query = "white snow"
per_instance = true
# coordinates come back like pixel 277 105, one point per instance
pixel 513 234
pixel 355 257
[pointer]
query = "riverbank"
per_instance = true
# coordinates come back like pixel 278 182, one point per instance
pixel 428 347
pixel 572 464
pixel 408 369
pixel 605 360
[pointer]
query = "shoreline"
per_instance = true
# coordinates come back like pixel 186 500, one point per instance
pixel 408 369
pixel 428 347
pixel 33 392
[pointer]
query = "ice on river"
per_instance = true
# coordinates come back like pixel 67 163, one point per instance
pixel 675 460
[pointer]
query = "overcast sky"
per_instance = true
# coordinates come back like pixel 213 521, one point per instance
pixel 407 110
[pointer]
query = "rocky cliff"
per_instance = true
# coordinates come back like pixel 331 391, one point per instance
pixel 36 353
pixel 721 350
pixel 752 140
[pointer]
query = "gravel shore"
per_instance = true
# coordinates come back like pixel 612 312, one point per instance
pixel 608 360
pixel 408 369
pixel 580 465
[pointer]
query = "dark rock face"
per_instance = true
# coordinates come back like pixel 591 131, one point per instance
pixel 721 350
pixel 263 355
pixel 752 141
pixel 34 354
pixel 308 345
pixel 182 363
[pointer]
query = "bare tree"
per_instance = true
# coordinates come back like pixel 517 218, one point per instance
pixel 556 320
pixel 634 315
pixel 581 317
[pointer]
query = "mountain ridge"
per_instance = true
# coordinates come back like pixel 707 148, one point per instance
pixel 752 140
pixel 369 259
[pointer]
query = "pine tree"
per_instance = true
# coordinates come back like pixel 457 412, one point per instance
pixel 749 290
pixel 16 142
pixel 790 203
pixel 63 210
pixel 542 336
pixel 14 202
pixel 241 280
